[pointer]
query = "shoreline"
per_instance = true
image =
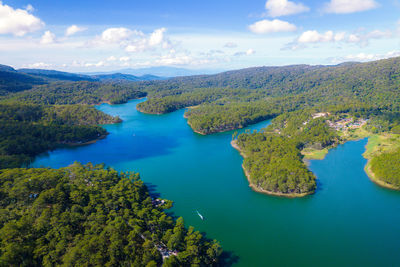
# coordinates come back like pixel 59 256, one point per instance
pixel 192 127
pixel 368 154
pixel 375 180
pixel 85 143
pixel 260 190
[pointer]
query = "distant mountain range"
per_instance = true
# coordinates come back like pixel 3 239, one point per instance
pixel 12 80
pixel 126 77
pixel 162 71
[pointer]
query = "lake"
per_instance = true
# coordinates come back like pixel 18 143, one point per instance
pixel 349 221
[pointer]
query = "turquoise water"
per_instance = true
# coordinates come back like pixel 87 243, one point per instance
pixel 348 222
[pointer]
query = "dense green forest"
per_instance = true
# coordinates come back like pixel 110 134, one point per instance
pixel 386 167
pixel 82 92
pixel 86 215
pixel 27 130
pixel 272 157
pixel 80 215
pixel 235 99
pixel 268 91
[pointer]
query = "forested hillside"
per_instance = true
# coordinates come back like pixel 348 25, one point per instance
pixel 12 81
pixel 235 99
pixel 267 90
pixel 272 158
pixel 27 130
pixel 86 215
pixel 54 75
pixel 77 93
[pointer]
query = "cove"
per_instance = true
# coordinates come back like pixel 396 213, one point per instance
pixel 349 221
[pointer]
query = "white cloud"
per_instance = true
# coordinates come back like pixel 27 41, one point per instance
pixel 315 37
pixel 29 8
pixel 230 45
pixel 250 52
pixel 246 53
pixel 271 26
pixel 366 57
pixel 340 36
pixel 48 38
pixel 353 38
pixel 156 39
pixel 173 59
pixel 38 65
pixel 73 29
pixel 132 40
pixel 98 64
pixel 18 21
pixel 115 35
pixel 361 57
pixel 349 6
pixel 277 8
pixel 361 39
pixel 111 58
pixel 124 59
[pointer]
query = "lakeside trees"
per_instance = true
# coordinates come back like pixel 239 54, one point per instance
pixel 27 130
pixel 273 159
pixel 87 215
pixel 386 167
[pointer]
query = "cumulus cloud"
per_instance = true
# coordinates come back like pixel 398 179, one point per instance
pixel 277 8
pixel 73 29
pixel 230 45
pixel 349 6
pixel 313 37
pixel 115 35
pixel 48 38
pixel 132 40
pixel 18 21
pixel 156 39
pixel 271 26
pixel 316 37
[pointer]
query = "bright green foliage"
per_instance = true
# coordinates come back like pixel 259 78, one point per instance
pixel 273 159
pixel 386 167
pixel 90 216
pixel 160 103
pixel 269 91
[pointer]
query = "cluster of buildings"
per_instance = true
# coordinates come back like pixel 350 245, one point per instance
pixel 347 123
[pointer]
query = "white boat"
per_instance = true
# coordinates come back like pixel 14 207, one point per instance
pixel 201 216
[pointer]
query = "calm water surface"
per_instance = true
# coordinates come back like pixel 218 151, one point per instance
pixel 348 222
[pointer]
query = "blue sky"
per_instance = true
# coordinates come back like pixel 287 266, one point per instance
pixel 109 35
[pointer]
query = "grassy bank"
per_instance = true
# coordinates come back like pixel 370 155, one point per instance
pixel 377 145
